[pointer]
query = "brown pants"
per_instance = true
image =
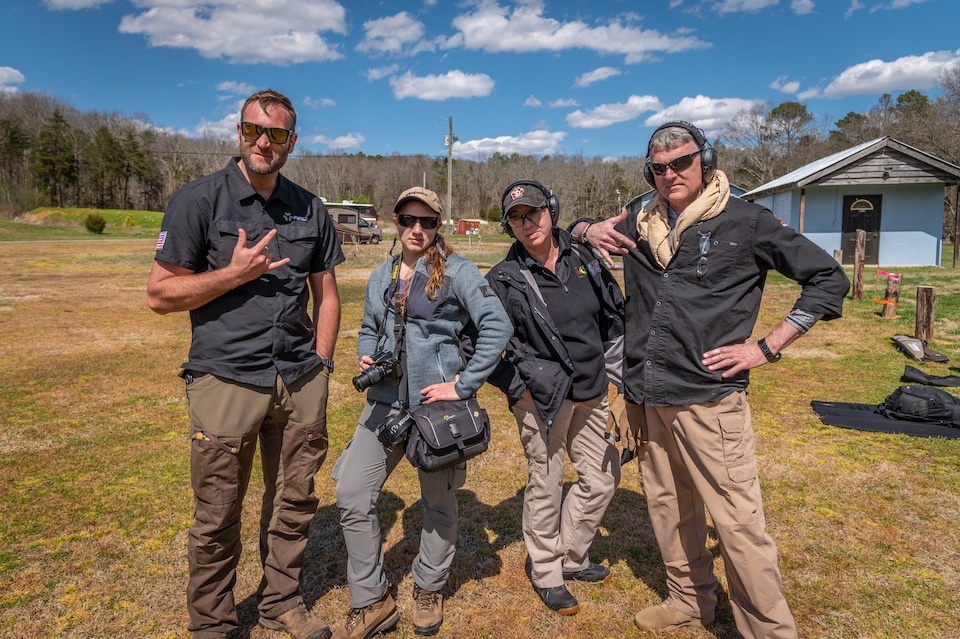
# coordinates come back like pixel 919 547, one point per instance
pixel 699 456
pixel 226 421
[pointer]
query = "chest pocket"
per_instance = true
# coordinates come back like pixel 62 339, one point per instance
pixel 223 240
pixel 714 258
pixel 298 241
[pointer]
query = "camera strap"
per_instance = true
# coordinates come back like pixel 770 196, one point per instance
pixel 399 329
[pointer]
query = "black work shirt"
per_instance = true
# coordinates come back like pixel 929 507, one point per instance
pixel 265 326
pixel 709 298
pixel 575 310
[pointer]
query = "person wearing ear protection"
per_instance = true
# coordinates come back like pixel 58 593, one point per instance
pixel 695 262
pixel 416 308
pixel 567 312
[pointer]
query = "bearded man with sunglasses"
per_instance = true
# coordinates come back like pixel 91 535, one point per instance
pixel 242 249
pixel 695 262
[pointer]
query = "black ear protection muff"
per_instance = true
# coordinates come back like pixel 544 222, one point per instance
pixel 708 155
pixel 553 204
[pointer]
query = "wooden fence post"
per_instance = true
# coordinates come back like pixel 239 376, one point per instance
pixel 891 296
pixel 925 313
pixel 859 258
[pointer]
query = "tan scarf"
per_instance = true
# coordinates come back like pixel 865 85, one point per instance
pixel 653 227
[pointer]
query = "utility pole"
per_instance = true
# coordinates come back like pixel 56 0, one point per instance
pixel 448 140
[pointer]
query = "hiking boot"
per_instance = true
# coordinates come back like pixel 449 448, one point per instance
pixel 299 623
pixel 594 573
pixel 427 612
pixel 363 623
pixel 559 600
pixel 664 617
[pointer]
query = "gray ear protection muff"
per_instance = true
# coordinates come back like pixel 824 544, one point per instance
pixel 708 155
pixel 553 204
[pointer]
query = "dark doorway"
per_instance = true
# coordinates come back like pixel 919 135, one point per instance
pixel 861 212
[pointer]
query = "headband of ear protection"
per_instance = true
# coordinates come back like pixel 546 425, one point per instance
pixel 553 203
pixel 708 155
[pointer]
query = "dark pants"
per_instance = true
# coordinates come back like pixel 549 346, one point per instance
pixel 226 420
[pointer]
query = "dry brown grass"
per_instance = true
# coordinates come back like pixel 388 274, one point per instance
pixel 95 497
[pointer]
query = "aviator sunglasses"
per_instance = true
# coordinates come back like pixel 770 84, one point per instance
pixel 275 134
pixel 427 222
pixel 679 164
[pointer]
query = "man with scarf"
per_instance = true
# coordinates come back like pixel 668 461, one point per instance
pixel 695 263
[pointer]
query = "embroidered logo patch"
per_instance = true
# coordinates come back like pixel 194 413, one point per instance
pixel 517 192
pixel 161 240
pixel 581 270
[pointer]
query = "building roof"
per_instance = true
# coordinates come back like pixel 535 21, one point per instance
pixel 824 167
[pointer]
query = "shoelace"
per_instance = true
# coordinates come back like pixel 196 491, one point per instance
pixel 425 599
pixel 355 618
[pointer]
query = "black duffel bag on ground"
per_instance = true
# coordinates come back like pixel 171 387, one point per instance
pixel 446 433
pixel 922 404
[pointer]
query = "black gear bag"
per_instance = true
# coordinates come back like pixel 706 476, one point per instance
pixel 922 404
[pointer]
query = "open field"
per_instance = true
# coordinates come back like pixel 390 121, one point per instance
pixel 95 497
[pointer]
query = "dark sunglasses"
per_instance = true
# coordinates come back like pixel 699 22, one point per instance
pixel 681 163
pixel 274 133
pixel 427 222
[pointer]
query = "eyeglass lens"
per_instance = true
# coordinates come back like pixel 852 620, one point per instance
pixel 681 163
pixel 704 247
pixel 519 220
pixel 275 134
pixel 427 222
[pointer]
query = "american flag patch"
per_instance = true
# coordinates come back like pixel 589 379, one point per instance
pixel 161 240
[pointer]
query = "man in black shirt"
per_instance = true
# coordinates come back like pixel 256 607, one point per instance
pixel 695 262
pixel 242 249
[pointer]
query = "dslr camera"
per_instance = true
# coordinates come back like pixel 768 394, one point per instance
pixel 384 365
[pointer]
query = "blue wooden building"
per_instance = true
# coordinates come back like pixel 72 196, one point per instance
pixel 889 189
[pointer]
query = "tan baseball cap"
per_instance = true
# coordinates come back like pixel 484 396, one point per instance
pixel 426 196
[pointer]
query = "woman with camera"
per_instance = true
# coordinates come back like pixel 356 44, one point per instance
pixel 417 307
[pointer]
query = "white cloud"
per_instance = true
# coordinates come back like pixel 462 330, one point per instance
pixel 802 7
pixel 855 5
pixel 399 34
pixel 596 75
pixel 532 101
pixel 453 84
pixel 319 102
pixel 607 114
pixel 237 88
pixel 710 114
pixel 242 33
pixel 381 72
pixel 877 76
pixel 8 77
pixel 75 4
pixel 895 4
pixel 536 143
pixel 351 141
pixel 733 6
pixel 225 127
pixel 563 104
pixel 783 86
pixel 496 29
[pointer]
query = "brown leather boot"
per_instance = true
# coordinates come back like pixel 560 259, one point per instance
pixel 299 623
pixel 427 611
pixel 363 623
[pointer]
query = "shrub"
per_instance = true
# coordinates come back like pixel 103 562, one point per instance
pixel 129 221
pixel 95 223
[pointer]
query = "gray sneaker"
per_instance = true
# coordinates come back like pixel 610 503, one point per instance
pixel 363 623
pixel 299 623
pixel 427 612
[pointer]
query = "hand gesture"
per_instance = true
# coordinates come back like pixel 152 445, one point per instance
pixel 604 237
pixel 250 263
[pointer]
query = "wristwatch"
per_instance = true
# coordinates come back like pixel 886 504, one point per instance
pixel 762 343
pixel 327 362
pixel 583 235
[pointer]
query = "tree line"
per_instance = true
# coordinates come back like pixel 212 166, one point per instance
pixel 52 154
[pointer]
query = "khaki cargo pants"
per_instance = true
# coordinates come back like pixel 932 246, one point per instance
pixel 698 456
pixel 226 420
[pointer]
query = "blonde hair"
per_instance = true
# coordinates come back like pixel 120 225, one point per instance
pixel 434 257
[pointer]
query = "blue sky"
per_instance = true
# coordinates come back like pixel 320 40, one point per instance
pixel 537 77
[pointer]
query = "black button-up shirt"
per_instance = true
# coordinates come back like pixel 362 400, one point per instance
pixel 263 327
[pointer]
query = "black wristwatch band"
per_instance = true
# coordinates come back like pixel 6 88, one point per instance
pixel 762 343
pixel 327 362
